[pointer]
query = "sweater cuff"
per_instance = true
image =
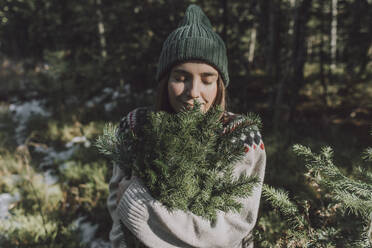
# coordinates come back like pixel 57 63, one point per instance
pixel 132 209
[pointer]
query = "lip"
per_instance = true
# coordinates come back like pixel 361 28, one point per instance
pixel 191 104
pixel 187 105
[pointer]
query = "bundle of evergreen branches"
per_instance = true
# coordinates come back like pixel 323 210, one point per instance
pixel 185 159
pixel 345 219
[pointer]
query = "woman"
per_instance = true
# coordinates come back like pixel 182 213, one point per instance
pixel 192 66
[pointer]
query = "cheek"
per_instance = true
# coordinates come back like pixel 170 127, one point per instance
pixel 211 92
pixel 174 90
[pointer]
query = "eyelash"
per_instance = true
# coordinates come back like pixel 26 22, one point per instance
pixel 208 83
pixel 180 78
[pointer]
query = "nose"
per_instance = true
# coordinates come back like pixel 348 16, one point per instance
pixel 193 89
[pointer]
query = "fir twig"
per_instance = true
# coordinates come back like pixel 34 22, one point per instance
pixel 279 200
pixel 185 159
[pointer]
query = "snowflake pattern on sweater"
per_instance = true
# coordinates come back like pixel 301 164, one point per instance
pixel 252 137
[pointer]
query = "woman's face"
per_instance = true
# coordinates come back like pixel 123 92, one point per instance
pixel 192 81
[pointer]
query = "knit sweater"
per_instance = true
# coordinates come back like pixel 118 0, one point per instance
pixel 156 227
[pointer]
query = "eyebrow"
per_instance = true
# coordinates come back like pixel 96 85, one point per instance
pixel 203 74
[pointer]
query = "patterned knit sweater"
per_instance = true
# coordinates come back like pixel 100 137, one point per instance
pixel 156 227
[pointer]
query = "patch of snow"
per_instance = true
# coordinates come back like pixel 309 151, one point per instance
pixel 86 229
pixel 110 106
pixel 127 88
pixel 52 156
pixel 108 91
pixel 115 95
pixel 99 243
pixel 96 100
pixel 6 200
pixel 49 178
pixel 77 140
pixel 22 113
pixel 109 98
pixel 89 104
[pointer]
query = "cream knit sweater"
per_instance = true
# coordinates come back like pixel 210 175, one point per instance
pixel 156 227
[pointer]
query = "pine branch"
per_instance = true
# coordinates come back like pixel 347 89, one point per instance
pixel 185 159
pixel 328 175
pixel 279 199
pixel 353 203
pixel 354 195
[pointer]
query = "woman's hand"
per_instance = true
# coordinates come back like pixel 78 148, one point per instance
pixel 123 185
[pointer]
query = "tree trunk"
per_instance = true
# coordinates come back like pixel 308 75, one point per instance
pixel 252 44
pixel 273 34
pixel 334 35
pixel 272 51
pixel 292 20
pixel 299 53
pixel 101 30
pixel 280 81
pixel 321 55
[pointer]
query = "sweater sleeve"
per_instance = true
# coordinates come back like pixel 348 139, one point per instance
pixel 116 234
pixel 155 226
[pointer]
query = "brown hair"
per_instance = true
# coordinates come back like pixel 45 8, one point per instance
pixel 162 98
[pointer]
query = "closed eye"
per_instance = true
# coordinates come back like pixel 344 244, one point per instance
pixel 208 81
pixel 180 78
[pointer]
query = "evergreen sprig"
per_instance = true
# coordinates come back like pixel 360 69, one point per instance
pixel 345 221
pixel 279 199
pixel 112 143
pixel 356 195
pixel 353 195
pixel 186 159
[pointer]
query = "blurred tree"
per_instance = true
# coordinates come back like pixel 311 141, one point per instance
pixel 334 34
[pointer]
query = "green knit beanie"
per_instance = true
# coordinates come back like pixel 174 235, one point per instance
pixel 194 39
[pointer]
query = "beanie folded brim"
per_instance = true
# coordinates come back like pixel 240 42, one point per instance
pixel 189 49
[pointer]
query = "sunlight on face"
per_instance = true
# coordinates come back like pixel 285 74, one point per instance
pixel 192 81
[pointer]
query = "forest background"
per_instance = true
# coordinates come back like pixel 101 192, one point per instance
pixel 68 67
